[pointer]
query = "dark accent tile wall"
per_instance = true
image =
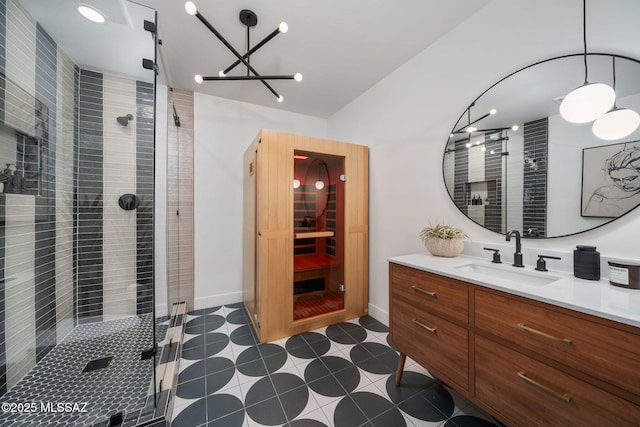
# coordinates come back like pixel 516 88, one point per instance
pixel 90 197
pixel 493 176
pixel 3 346
pixel 45 220
pixel 535 176
pixel 144 190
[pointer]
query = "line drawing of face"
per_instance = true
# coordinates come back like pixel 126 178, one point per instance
pixel 626 179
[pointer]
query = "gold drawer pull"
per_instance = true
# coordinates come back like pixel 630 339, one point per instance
pixel 565 397
pixel 423 326
pixel 422 291
pixel 525 328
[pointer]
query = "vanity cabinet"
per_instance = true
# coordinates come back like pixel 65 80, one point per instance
pixel 429 322
pixel 528 362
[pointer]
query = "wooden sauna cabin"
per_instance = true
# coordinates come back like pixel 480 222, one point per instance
pixel 306 225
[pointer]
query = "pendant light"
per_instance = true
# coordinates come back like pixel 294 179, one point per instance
pixel 591 100
pixel 618 122
pixel 249 19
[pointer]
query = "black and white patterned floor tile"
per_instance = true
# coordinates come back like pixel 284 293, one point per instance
pixel 341 375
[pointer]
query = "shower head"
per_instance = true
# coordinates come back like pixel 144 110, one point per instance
pixel 124 120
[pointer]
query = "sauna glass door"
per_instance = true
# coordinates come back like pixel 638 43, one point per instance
pixel 318 232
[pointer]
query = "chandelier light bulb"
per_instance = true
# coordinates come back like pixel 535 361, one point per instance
pixel 617 123
pixel 198 78
pixel 319 184
pixel 471 129
pixel 297 77
pixel 483 148
pixel 296 183
pixel 493 151
pixel 91 14
pixel 515 128
pixel 587 102
pixel 493 111
pixel 221 74
pixel 283 27
pixel 280 98
pixel 191 8
pixel 468 145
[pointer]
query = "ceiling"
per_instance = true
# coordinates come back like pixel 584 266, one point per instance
pixel 342 48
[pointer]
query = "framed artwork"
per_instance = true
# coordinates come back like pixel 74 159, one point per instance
pixel 610 179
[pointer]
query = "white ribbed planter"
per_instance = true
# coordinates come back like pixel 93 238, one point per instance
pixel 444 247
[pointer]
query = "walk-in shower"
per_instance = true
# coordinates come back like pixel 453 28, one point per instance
pixel 78 324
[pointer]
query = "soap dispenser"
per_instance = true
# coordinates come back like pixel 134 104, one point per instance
pixel 586 262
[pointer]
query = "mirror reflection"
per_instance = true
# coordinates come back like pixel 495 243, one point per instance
pixel 513 163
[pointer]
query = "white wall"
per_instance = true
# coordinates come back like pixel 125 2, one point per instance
pixel 223 129
pixel 406 119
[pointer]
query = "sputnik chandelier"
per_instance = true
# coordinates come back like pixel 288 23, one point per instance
pixel 248 19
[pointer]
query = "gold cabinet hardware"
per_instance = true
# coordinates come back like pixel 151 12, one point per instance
pixel 525 328
pixel 562 396
pixel 423 326
pixel 422 291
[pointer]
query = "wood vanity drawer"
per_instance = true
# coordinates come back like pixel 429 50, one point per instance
pixel 435 343
pixel 590 347
pixel 437 294
pixel 525 392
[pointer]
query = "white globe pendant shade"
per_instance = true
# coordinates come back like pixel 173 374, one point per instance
pixel 616 124
pixel 587 102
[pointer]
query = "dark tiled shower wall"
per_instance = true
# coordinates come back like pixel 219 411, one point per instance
pixel 90 171
pixel 535 175
pixel 67 230
pixel 45 227
pixel 461 175
pixel 144 190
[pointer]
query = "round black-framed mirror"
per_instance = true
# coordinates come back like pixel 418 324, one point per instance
pixel 540 177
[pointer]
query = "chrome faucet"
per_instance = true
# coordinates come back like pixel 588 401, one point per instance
pixel 517 255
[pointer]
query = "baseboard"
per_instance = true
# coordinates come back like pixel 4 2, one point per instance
pixel 217 300
pixel 379 314
pixel 162 310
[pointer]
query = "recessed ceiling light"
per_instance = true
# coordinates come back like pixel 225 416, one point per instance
pixel 91 14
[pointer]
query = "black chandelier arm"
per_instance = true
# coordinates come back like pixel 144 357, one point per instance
pixel 235 52
pixel 261 77
pixel 252 50
pixel 460 130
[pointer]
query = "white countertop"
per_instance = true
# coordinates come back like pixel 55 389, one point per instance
pixel 597 298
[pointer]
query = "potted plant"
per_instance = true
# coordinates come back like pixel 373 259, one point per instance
pixel 443 240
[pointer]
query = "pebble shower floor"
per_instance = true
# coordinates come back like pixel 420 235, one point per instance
pixel 342 375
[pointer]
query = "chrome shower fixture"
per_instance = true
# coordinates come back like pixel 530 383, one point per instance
pixel 124 120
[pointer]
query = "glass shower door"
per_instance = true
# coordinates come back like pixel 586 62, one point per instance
pixel 318 246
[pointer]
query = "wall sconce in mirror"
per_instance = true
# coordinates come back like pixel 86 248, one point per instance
pixel 586 103
pixel 618 122
pixel 296 183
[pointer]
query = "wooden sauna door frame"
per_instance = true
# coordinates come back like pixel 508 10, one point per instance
pixel 273 208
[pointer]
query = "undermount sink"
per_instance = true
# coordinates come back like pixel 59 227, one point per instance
pixel 508 273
